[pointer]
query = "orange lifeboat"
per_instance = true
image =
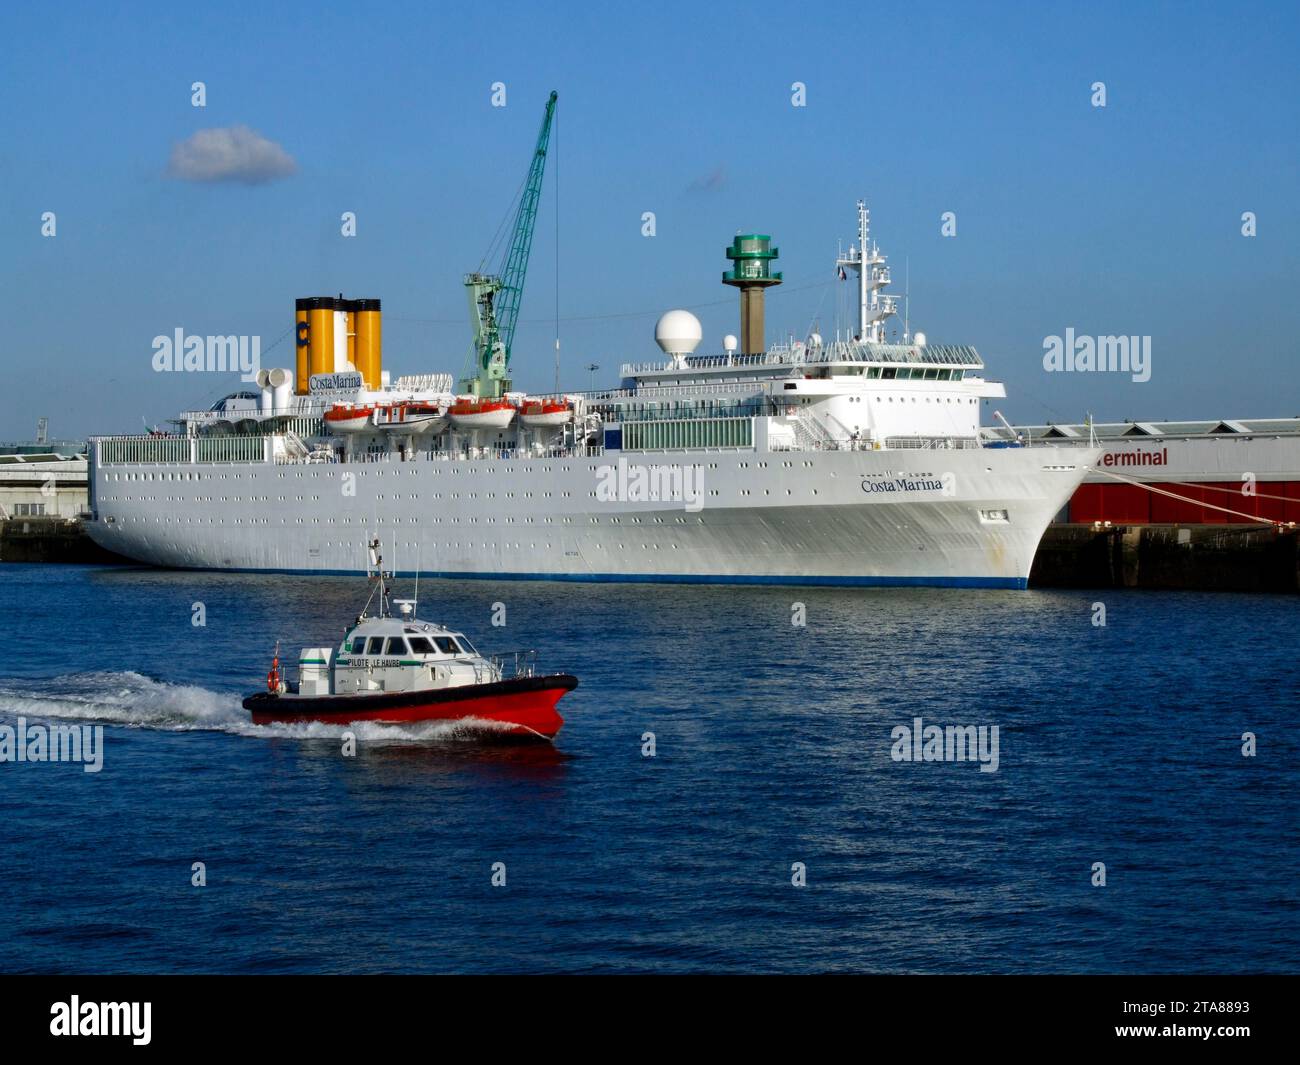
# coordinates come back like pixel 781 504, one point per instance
pixel 481 413
pixel 345 418
pixel 545 413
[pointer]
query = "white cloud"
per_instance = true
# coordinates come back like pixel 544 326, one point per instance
pixel 236 153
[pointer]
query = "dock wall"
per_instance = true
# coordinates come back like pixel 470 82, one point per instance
pixel 1255 558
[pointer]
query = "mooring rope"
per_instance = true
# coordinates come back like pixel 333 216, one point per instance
pixel 1255 518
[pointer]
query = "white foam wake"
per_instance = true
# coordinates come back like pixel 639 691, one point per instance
pixel 133 700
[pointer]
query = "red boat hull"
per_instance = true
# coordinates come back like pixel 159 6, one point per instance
pixel 525 706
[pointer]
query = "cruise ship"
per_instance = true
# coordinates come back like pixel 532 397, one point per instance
pixel 845 461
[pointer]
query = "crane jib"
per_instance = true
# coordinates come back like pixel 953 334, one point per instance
pixel 495 298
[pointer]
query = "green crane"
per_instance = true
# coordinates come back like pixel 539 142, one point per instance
pixel 494 298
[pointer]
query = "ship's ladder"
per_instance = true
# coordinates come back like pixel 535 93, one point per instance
pixel 294 445
pixel 811 433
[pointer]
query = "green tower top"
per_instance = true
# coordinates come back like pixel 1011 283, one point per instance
pixel 751 256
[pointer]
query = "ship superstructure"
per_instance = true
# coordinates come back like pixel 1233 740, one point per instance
pixel 848 461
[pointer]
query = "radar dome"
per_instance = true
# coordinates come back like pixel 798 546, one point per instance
pixel 678 332
pixel 814 340
pixel 730 343
pixel 918 339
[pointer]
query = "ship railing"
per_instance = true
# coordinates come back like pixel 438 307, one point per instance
pixel 212 417
pixel 932 443
pixel 831 352
pixel 805 442
pixel 595 395
pixel 725 388
pixel 186 450
pixel 509 664
pixel 479 454
pixel 1050 441
pixel 713 362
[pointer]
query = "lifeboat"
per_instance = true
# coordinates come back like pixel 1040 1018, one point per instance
pixel 345 418
pixel 545 413
pixel 396 670
pixel 481 413
pixel 410 418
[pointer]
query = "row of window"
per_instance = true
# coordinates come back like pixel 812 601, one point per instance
pixel 437 520
pixel 362 473
pixel 399 647
pixel 901 399
pixel 901 373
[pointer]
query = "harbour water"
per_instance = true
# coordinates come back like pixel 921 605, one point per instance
pixel 1118 744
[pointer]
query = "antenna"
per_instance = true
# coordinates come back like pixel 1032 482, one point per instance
pixel 375 569
pixel 907 299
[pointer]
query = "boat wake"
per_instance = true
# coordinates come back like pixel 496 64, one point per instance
pixel 133 700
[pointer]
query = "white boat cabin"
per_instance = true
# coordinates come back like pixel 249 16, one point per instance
pixel 388 654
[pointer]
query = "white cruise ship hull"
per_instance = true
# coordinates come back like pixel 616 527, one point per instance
pixel 962 517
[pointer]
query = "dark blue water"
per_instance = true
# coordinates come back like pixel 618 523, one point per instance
pixel 1119 745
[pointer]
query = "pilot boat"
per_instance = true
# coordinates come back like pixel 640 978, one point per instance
pixel 399 669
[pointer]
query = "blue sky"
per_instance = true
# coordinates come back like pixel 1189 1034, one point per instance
pixel 1122 220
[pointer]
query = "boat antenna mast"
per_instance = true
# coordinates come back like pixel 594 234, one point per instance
pixel 494 299
pixel 375 571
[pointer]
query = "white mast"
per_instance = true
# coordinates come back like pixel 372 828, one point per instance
pixel 873 275
pixel 853 261
pixel 907 301
pixel 864 235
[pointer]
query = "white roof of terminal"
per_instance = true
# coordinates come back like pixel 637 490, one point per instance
pixel 1114 430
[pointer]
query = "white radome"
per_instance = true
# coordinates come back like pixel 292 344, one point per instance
pixel 678 332
pixel 730 343
pixel 918 339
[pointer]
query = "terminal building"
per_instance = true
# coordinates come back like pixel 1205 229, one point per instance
pixel 1222 472
pixel 43 480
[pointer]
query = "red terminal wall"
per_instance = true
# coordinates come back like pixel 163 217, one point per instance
pixel 1129 504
